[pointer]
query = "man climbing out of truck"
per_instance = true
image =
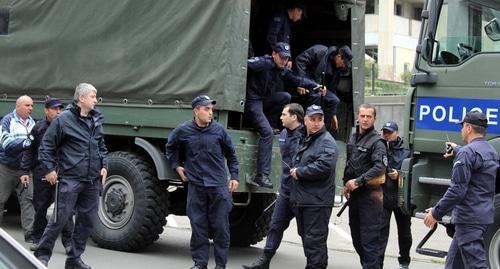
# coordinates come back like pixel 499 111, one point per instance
pixel 267 80
pixel 205 144
pixel 325 66
pixel 470 196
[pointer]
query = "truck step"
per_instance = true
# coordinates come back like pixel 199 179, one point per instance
pixel 428 251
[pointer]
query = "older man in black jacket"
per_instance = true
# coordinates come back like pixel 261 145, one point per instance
pixel 74 154
pixel 313 191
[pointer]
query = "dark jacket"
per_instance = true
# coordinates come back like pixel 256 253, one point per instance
pixel 395 156
pixel 30 160
pixel 279 29
pixel 289 145
pixel 265 78
pixel 74 146
pixel 201 152
pixel 471 194
pixel 315 61
pixel 366 157
pixel 315 162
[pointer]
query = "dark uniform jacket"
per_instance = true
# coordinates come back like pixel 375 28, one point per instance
pixel 316 60
pixel 471 194
pixel 74 146
pixel 30 160
pixel 201 152
pixel 395 156
pixel 280 29
pixel 265 78
pixel 315 162
pixel 366 156
pixel 289 145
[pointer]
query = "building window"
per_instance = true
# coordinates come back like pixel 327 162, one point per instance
pixel 417 13
pixel 398 9
pixel 4 21
pixel 370 7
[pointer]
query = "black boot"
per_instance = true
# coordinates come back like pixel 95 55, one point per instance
pixel 260 181
pixel 76 264
pixel 261 263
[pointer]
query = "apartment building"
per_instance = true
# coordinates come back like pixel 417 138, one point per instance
pixel 392 29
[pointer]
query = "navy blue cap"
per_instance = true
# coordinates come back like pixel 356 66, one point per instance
pixel 346 52
pixel 390 126
pixel 202 100
pixel 314 109
pixel 283 49
pixel 53 103
pixel 476 118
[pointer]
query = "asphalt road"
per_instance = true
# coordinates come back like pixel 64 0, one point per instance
pixel 172 249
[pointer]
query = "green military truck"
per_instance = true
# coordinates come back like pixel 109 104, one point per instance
pixel 456 70
pixel 148 60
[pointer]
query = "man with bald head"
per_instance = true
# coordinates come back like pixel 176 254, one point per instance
pixel 14 130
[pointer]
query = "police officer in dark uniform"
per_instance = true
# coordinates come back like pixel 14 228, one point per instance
pixel 43 192
pixel 325 66
pixel 280 28
pixel 313 191
pixel 205 144
pixel 292 118
pixel 366 163
pixel 267 80
pixel 396 153
pixel 470 196
pixel 74 153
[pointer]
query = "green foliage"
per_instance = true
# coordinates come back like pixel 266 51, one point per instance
pixel 385 87
pixel 406 77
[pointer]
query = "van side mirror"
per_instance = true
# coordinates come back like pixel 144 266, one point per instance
pixel 492 29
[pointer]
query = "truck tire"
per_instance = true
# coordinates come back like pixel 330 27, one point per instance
pixel 133 206
pixel 492 238
pixel 249 225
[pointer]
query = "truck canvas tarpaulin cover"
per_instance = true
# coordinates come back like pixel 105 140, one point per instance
pixel 166 51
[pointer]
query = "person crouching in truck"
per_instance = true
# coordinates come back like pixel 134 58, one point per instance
pixel 267 80
pixel 325 66
pixel 205 144
pixel 313 191
pixel 470 196
pixel 363 175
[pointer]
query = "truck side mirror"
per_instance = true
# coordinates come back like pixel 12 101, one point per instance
pixel 492 29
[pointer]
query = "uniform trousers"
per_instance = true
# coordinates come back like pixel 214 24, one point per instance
pixel 81 198
pixel 312 226
pixel 256 111
pixel 467 247
pixel 208 209
pixel 365 209
pixel 282 215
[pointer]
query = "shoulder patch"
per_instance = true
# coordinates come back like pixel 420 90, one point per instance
pixel 384 160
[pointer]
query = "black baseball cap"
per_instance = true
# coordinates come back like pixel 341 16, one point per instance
pixel 53 103
pixel 283 49
pixel 313 110
pixel 476 118
pixel 390 126
pixel 202 100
